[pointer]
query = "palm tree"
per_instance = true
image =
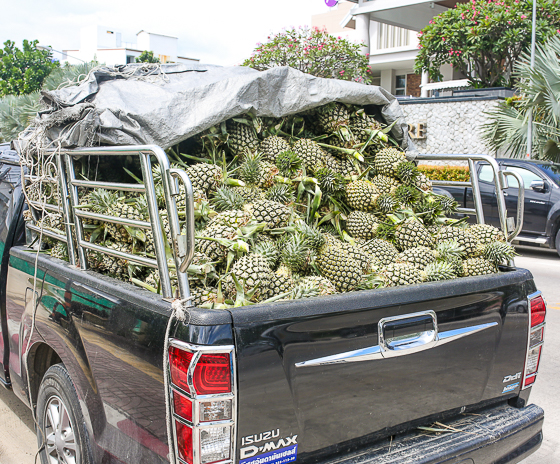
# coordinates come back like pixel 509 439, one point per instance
pixel 18 111
pixel 539 91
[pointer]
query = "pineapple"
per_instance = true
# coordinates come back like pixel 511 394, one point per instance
pixel 485 233
pixel 272 146
pixel 362 225
pixel 383 252
pixel 336 265
pixel 332 117
pixel 241 138
pixel 385 184
pixel 407 172
pixel 226 198
pixel 423 183
pixel 386 203
pixel 410 232
pixel 232 218
pixel 418 256
pixel 281 282
pixel 365 260
pixel 121 209
pixel 396 274
pixel 268 250
pixel 204 296
pixel 205 177
pixel 253 274
pixel 60 251
pixel 323 285
pixel 288 163
pixel 313 156
pixel 212 249
pixel 461 236
pixel 330 182
pixel 478 266
pixel 249 194
pixel 116 267
pixel 274 214
pixel 362 195
pixel 388 160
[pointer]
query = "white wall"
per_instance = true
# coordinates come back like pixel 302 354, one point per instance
pixel 161 45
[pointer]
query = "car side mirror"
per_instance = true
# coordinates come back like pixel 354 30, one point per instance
pixel 538 185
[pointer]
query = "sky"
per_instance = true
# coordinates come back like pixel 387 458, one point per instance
pixel 222 32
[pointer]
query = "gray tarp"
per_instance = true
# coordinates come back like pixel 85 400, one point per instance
pixel 163 105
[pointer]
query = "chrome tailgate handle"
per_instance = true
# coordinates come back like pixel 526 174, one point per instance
pixel 407 334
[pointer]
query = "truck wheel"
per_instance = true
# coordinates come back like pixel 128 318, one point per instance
pixel 557 242
pixel 61 431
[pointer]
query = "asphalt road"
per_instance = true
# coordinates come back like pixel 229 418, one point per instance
pixel 545 267
pixel 18 442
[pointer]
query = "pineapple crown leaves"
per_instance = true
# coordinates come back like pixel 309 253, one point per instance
pixel 329 181
pixel 371 282
pixel 407 172
pixel 304 290
pixel 281 193
pixel 288 163
pixel 436 271
pixel 449 249
pixel 498 252
pixel 225 199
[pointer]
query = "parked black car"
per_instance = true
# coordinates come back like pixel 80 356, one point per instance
pixel 542 199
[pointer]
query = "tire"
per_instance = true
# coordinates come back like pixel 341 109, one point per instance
pixel 557 242
pixel 60 423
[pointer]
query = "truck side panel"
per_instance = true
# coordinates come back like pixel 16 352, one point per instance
pixel 110 336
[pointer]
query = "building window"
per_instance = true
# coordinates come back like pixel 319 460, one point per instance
pixel 130 59
pixel 391 36
pixel 400 85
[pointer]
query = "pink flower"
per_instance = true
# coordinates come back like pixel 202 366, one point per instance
pixel 523 17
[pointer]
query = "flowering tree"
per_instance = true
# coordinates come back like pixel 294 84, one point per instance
pixel 312 51
pixel 484 38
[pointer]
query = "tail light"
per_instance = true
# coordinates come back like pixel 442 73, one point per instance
pixel 203 401
pixel 537 308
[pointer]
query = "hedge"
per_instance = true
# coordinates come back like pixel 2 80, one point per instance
pixel 456 173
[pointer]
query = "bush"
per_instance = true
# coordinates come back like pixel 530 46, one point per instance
pixel 312 51
pixel 454 173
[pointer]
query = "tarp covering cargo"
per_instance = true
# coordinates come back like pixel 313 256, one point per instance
pixel 166 104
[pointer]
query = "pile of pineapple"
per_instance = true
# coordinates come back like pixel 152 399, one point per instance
pixel 313 204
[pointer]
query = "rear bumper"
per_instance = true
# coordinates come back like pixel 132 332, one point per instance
pixel 498 435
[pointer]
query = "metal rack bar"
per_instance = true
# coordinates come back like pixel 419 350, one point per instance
pixel 118 254
pixel 499 184
pixel 182 247
pixel 112 219
pixel 66 209
pixel 46 232
pixel 109 185
pixel 44 206
pixel 185 242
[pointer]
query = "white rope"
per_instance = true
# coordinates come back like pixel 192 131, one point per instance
pixel 180 312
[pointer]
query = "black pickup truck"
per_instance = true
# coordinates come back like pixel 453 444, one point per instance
pixel 541 224
pixel 353 378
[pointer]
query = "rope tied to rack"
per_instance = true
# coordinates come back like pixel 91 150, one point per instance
pixel 180 310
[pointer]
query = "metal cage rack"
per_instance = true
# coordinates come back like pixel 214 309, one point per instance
pixel 182 240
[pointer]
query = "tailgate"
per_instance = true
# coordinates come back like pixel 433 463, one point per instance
pixel 312 380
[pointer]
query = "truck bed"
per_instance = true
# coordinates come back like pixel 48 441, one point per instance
pixel 301 376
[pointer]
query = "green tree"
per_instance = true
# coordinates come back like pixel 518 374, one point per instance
pixel 539 92
pixel 484 38
pixel 18 111
pixel 23 71
pixel 147 57
pixel 312 51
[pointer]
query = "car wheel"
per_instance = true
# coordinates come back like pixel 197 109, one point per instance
pixel 557 242
pixel 61 431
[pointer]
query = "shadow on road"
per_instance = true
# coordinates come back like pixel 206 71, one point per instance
pixel 10 401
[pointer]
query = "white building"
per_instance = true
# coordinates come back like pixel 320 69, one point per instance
pixel 106 46
pixel 389 29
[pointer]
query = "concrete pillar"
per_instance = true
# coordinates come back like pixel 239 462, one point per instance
pixel 425 80
pixel 388 80
pixel 362 31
